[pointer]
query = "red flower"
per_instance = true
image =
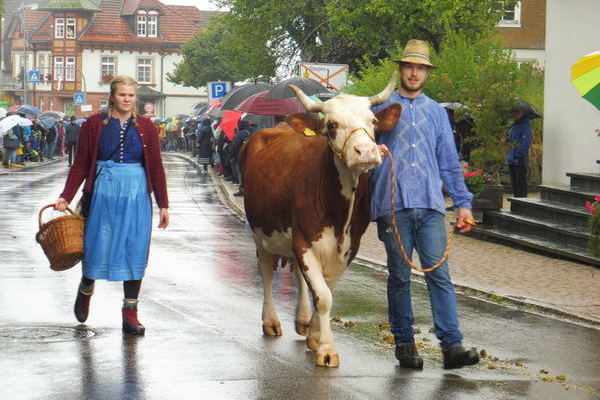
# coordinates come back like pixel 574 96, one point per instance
pixel 591 207
pixel 480 171
pixel 597 199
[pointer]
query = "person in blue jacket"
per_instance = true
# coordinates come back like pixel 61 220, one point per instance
pixel 519 140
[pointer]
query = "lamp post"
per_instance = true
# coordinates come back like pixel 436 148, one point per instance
pixel 33 6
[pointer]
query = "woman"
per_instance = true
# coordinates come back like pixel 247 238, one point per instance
pixel 519 140
pixel 119 158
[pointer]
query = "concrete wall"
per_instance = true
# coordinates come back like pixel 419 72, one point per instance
pixel 528 55
pixel 570 141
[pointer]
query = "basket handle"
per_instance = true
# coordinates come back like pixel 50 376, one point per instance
pixel 45 207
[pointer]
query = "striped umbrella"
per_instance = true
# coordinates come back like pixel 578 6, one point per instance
pixel 585 76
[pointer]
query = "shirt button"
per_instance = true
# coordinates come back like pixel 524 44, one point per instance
pixel 413 124
pixel 414 145
pixel 413 164
pixel 144 145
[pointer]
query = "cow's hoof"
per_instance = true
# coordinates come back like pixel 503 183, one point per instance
pixel 272 330
pixel 312 343
pixel 330 359
pixel 302 328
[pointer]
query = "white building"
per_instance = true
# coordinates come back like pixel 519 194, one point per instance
pixel 78 45
pixel 571 142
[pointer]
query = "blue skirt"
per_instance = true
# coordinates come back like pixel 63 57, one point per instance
pixel 117 230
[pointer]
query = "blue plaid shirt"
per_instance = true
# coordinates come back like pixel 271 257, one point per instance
pixel 424 157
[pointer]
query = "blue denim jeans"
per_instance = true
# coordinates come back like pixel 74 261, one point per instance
pixel 422 230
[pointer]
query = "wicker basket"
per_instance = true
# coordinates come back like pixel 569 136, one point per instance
pixel 61 239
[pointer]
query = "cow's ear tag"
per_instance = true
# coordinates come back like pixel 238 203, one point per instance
pixel 309 132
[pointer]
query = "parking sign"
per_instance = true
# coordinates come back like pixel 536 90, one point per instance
pixel 216 90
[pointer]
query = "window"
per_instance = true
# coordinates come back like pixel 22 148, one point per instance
pixel 152 24
pixel 59 28
pixel 511 13
pixel 144 70
pixel 70 69
pixel 147 23
pixel 71 24
pixel 108 68
pixel 59 68
pixel 141 24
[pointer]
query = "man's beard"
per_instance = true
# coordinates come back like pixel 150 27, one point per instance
pixel 411 89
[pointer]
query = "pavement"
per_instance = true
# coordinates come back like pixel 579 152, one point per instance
pixel 29 165
pixel 498 272
pixel 201 305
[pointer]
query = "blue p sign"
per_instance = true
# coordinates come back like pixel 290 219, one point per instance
pixel 218 90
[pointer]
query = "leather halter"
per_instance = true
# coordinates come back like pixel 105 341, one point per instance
pixel 340 154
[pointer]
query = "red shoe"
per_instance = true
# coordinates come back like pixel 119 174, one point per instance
pixel 82 302
pixel 131 325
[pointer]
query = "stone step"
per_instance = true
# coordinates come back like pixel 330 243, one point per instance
pixel 537 243
pixel 567 195
pixel 585 180
pixel 550 211
pixel 520 224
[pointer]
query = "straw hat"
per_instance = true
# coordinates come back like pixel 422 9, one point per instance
pixel 416 52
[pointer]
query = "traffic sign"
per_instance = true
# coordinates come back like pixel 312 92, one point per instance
pixel 35 76
pixel 333 76
pixel 216 90
pixel 79 99
pixel 149 108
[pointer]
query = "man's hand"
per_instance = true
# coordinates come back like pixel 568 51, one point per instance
pixel 383 149
pixel 465 220
pixel 164 218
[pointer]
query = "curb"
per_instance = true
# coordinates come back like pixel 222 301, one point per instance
pixel 481 295
pixel 6 171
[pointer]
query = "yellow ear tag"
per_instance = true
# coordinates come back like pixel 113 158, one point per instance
pixel 309 132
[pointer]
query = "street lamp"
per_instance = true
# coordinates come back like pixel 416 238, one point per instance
pixel 33 6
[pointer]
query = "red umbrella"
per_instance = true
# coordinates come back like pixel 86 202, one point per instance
pixel 256 104
pixel 230 123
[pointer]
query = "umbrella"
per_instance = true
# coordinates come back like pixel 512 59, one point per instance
pixel 28 110
pixel 230 123
pixel 54 114
pixel 454 106
pixel 240 93
pixel 528 109
pixel 308 86
pixel 167 120
pixel 260 120
pixel 3 112
pixel 10 121
pixel 256 104
pixel 46 123
pixel 585 76
pixel 80 120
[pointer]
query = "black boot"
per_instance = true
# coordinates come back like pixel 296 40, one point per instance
pixel 82 302
pixel 131 324
pixel 458 357
pixel 408 356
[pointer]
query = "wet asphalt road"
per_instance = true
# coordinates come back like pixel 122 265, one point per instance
pixel 201 304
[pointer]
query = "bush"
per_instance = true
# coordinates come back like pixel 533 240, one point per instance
pixel 483 76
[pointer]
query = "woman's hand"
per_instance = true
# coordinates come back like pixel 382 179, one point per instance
pixel 164 218
pixel 61 204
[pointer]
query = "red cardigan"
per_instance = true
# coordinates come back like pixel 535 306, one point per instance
pixel 84 167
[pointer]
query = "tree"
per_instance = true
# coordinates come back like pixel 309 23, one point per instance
pixel 274 35
pixel 220 52
pixel 480 74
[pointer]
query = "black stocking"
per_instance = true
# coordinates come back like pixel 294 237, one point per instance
pixel 131 289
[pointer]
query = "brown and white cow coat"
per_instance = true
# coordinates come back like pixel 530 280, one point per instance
pixel 306 200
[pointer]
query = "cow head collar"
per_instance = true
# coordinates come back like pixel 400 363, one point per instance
pixel 349 125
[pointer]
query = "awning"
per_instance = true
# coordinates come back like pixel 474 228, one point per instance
pixel 146 92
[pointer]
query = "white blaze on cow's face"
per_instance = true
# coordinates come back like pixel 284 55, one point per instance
pixel 349 124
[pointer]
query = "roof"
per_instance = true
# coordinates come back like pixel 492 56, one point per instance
pixel 199 17
pixel 111 26
pixel 33 20
pixel 71 5
pixel 149 93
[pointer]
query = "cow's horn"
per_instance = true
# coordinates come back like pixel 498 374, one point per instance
pixel 308 103
pixel 382 97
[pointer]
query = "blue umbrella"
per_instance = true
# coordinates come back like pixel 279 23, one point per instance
pixel 47 122
pixel 29 111
pixel 80 120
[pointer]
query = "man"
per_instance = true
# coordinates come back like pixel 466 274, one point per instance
pixel 519 140
pixel 51 142
pixel 424 156
pixel 72 134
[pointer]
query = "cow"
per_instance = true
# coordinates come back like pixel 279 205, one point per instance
pixel 306 200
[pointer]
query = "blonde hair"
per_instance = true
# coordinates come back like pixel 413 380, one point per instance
pixel 114 83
